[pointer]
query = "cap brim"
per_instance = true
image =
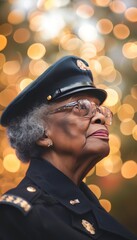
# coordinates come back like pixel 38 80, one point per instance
pixel 96 92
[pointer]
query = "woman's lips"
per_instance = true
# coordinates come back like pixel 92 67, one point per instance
pixel 100 134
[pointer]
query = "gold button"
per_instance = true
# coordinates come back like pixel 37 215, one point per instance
pixel 49 97
pixel 88 226
pixel 31 189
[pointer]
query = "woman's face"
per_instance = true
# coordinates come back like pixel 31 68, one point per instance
pixel 78 136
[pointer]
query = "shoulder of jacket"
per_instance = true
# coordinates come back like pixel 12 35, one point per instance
pixel 22 196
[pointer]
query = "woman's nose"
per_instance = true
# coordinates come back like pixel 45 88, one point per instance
pixel 99 118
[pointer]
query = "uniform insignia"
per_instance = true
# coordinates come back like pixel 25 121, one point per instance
pixel 16 201
pixel 75 201
pixel 88 226
pixel 82 65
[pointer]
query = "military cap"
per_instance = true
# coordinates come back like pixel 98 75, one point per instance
pixel 67 76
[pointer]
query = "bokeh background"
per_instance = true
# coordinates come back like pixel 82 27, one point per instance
pixel 34 34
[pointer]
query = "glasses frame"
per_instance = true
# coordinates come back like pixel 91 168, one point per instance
pixel 95 110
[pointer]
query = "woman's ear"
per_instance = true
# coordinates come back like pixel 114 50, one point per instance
pixel 45 141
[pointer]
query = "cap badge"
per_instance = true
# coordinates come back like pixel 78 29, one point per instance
pixel 75 201
pixel 82 65
pixel 88 226
pixel 31 189
pixel 49 97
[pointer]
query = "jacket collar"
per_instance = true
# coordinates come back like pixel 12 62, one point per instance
pixel 55 183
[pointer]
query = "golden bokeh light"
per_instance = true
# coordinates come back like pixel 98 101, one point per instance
pixel 25 82
pixel 16 16
pixel 126 127
pixel 6 96
pixel 101 3
pixel 115 143
pixel 117 6
pixel 36 51
pixel 125 111
pixel 105 204
pixel 95 189
pixel 1 166
pixel 37 67
pixel 112 98
pixel 134 91
pixel 11 67
pixel 2 60
pixel 131 14
pixel 21 35
pixel 101 171
pixel 3 42
pixel 129 169
pixel 6 29
pixel 130 50
pixel 134 132
pixel 88 51
pixel 11 163
pixel 104 26
pixel 85 11
pixel 129 99
pixel 121 31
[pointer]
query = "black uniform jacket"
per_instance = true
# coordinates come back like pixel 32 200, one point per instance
pixel 47 205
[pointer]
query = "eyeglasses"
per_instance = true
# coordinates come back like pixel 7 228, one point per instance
pixel 85 108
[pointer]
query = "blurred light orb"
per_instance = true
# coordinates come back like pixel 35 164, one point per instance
pixel 6 29
pixel 115 143
pixel 6 96
pixel 104 26
pixel 131 14
pixel 37 67
pixel 129 169
pixel 25 82
pixel 121 31
pixel 112 98
pixel 85 11
pixel 117 6
pixel 21 35
pixel 11 67
pixel 11 163
pixel 36 51
pixel 95 189
pixel 125 111
pixel 105 204
pixel 2 60
pixel 127 126
pixel 134 91
pixel 16 16
pixel 101 3
pixel 130 50
pixel 87 32
pixel 134 132
pixel 3 42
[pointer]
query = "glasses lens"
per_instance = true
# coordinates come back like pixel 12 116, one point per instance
pixel 107 114
pixel 84 107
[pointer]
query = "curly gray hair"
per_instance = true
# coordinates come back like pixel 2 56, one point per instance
pixel 25 131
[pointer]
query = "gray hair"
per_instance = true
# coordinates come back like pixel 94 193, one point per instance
pixel 25 131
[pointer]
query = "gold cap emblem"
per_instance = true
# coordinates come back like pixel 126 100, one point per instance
pixel 82 65
pixel 88 226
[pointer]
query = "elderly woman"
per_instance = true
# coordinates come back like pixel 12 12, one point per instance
pixel 58 125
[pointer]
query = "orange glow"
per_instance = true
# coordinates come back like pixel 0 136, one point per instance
pixel 112 98
pixel 126 127
pixel 134 91
pixel 131 14
pixel 11 163
pixel 36 51
pixel 11 67
pixel 117 6
pixel 95 189
pixel 6 96
pixel 101 3
pixel 105 204
pixel 37 67
pixel 121 31
pixel 16 17
pixel 25 82
pixel 125 111
pixel 21 35
pixel 85 11
pixel 130 50
pixel 129 169
pixel 134 133
pixel 104 26
pixel 2 60
pixel 3 42
pixel 6 29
